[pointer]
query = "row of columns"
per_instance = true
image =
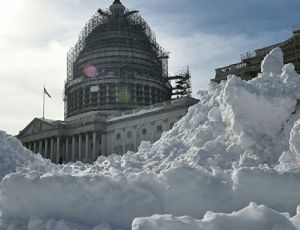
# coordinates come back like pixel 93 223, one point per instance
pixel 62 149
pixel 37 147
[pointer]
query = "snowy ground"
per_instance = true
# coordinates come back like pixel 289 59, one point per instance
pixel 233 162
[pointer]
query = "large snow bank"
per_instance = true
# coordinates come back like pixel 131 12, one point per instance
pixel 252 217
pixel 13 155
pixel 238 145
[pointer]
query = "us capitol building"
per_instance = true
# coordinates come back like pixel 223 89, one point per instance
pixel 118 92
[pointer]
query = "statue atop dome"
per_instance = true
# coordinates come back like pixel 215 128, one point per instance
pixel 117 2
pixel 117 8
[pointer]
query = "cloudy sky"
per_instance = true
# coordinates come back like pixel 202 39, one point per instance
pixel 204 34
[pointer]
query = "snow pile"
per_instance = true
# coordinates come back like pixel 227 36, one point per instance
pixel 239 145
pixel 14 155
pixel 293 156
pixel 252 217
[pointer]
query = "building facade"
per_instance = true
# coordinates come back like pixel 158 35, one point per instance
pixel 250 64
pixel 118 92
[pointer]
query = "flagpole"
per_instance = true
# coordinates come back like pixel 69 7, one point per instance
pixel 44 102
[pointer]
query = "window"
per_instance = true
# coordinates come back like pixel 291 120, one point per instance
pixel 159 128
pixel 129 134
pixel 118 136
pixel 144 131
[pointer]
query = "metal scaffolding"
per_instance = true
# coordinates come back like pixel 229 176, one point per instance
pixel 102 18
pixel 129 67
pixel 181 83
pixel 250 65
pixel 74 52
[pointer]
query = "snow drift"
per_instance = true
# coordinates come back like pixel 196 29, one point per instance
pixel 251 217
pixel 238 146
pixel 13 156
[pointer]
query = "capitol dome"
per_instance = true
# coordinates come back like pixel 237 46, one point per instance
pixel 116 65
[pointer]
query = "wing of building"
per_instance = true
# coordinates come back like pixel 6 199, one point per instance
pixel 250 64
pixel 118 92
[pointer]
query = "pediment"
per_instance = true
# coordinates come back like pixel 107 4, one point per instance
pixel 36 126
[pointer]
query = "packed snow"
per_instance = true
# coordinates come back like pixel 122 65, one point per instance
pixel 233 162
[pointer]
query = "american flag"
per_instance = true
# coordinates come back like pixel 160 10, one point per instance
pixel 46 92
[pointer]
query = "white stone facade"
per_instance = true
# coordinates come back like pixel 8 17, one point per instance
pixel 87 136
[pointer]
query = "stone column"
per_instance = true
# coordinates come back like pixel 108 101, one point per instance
pixel 32 147
pixel 87 142
pixel 109 145
pixel 58 149
pixel 150 95
pixel 52 149
pixel 40 146
pixel 144 94
pixel 134 136
pixel 94 145
pixel 67 150
pixel 124 142
pixel 80 147
pixel 46 148
pixel 73 148
pixel 103 145
pixel 117 93
pixel 135 93
pixel 35 147
pixel 112 143
pixel 107 94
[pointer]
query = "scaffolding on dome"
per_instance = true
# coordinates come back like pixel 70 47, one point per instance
pixel 100 19
pixel 118 53
pixel 181 84
pixel 73 53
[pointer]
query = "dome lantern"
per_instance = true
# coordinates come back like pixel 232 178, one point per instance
pixel 117 8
